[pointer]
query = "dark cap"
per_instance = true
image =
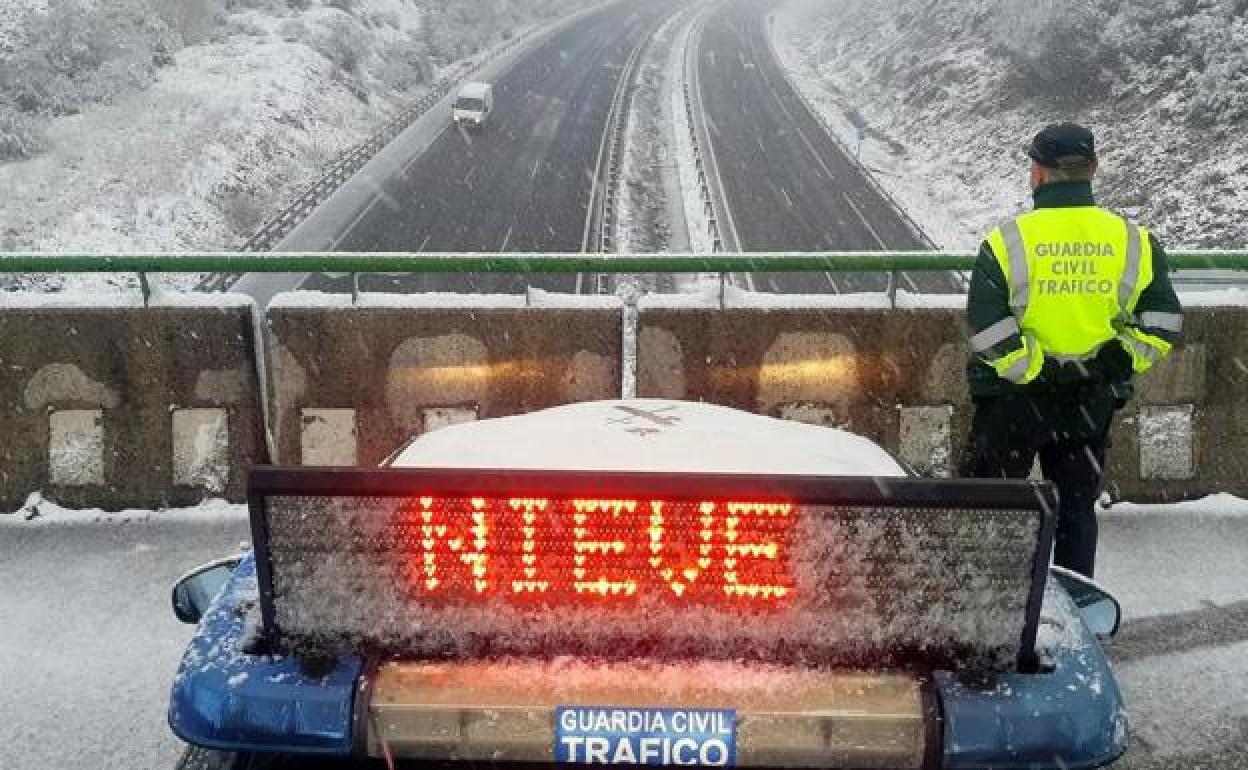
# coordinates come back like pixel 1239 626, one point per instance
pixel 1064 145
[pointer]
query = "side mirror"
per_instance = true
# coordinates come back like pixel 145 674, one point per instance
pixel 1098 608
pixel 194 591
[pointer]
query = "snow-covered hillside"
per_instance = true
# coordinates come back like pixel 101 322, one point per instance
pixel 178 125
pixel 951 91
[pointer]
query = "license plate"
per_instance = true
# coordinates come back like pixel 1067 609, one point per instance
pixel 606 735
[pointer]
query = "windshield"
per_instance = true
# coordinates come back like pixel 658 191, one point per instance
pixel 469 104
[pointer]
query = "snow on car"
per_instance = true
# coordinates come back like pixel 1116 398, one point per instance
pixel 648 582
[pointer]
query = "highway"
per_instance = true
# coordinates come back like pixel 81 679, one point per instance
pixel 527 181
pixel 523 183
pixel 789 185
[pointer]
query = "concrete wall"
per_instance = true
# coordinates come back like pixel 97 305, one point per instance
pixel 117 407
pixel 350 385
pixel 146 407
pixel 897 376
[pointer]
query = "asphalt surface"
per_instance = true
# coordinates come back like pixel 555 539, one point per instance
pixel 790 186
pixel 522 183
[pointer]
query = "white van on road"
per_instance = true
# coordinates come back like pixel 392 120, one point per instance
pixel 473 105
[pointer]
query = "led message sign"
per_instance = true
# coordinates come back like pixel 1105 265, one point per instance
pixel 532 549
pixel 412 563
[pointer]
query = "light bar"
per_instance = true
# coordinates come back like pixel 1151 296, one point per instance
pixel 785 717
pixel 846 571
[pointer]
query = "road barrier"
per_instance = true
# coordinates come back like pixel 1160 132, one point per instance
pixel 148 405
pixel 609 174
pixel 719 219
pixel 897 376
pixel 115 406
pixel 351 384
pixel 770 262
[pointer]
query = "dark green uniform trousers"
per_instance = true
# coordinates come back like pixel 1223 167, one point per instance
pixel 1068 429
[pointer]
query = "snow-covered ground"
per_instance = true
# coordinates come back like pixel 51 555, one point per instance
pixel 950 93
pixel 195 154
pixel 90 645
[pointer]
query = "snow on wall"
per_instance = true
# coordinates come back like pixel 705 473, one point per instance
pixel 535 298
pixel 75 299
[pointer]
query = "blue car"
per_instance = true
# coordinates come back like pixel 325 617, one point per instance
pixel 645 582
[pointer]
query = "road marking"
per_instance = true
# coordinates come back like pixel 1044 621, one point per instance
pixel 436 138
pixel 780 103
pixel 878 240
pixel 507 237
pixel 533 173
pixel 818 158
pixel 354 222
pixel 424 243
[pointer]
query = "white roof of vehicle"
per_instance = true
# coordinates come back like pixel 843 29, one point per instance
pixel 650 436
pixel 474 90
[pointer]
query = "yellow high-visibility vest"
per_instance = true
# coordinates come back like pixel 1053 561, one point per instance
pixel 1075 275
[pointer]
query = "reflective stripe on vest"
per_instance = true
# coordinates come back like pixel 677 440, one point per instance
pixel 994 335
pixel 1075 276
pixel 1143 355
pixel 1169 322
pixel 1017 373
pixel 1131 272
pixel 1020 279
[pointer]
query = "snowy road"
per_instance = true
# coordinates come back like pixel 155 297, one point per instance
pixel 524 182
pixel 789 185
pixel 1182 654
pixel 88 645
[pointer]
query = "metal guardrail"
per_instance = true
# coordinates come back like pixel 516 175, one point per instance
pixel 344 167
pixel 603 223
pixel 719 223
pixel 910 261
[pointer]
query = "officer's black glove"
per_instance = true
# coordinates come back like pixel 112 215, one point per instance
pixel 1046 380
pixel 1112 363
pixel 1063 375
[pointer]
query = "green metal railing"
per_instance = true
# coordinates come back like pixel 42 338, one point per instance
pixel 540 263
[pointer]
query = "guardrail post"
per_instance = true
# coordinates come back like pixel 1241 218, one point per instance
pixel 892 288
pixel 146 288
pixel 723 290
pixel 355 289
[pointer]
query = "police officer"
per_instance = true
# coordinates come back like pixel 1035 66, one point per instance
pixel 1068 303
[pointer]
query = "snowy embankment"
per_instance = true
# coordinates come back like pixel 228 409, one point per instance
pixel 949 96
pixel 650 198
pixel 177 125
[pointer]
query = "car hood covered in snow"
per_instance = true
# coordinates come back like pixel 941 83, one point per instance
pixel 650 436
